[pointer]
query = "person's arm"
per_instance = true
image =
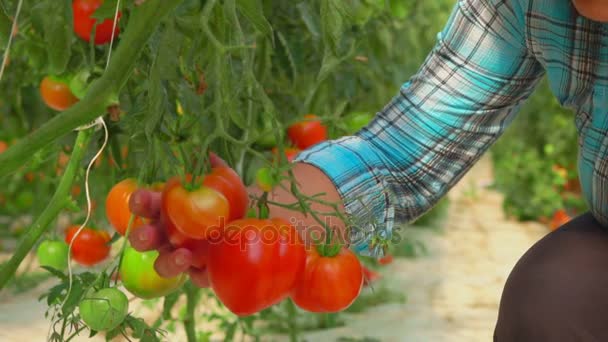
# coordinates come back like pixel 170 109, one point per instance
pixel 438 126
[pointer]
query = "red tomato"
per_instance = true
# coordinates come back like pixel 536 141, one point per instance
pixel 193 213
pixel 3 146
pixel 84 23
pixel 307 133
pixel 560 218
pixel 227 182
pixel 255 264
pixel 117 206
pixel 90 246
pixel 329 283
pixel 56 94
pixel 388 259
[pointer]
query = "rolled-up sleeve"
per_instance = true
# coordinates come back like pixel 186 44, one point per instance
pixel 441 122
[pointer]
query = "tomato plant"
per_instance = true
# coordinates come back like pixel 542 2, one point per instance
pixel 90 247
pixel 85 23
pixel 255 264
pixel 53 254
pixel 104 309
pixel 307 133
pixel 329 283
pixel 56 93
pixel 139 277
pixel 117 206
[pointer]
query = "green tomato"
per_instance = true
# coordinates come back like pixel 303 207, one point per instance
pixel 264 179
pixel 53 254
pixel 105 309
pixel 139 277
pixel 357 120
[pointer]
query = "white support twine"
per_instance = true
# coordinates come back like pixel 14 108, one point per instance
pixel 97 123
pixel 10 39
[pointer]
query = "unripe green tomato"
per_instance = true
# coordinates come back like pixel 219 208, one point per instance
pixel 104 310
pixel 53 254
pixel 357 120
pixel 264 179
pixel 140 278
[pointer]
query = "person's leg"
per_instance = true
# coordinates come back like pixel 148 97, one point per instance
pixel 558 290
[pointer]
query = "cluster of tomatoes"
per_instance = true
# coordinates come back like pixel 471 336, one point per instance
pixel 252 262
pixel 57 92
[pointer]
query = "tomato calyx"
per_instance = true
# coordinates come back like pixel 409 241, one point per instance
pixel 328 250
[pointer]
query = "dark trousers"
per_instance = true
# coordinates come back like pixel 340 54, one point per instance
pixel 558 291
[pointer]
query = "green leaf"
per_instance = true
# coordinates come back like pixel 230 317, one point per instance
pixel 254 12
pixel 332 23
pixel 55 272
pixel 292 63
pixel 74 298
pixel 157 102
pixel 107 10
pixel 310 20
pixel 56 21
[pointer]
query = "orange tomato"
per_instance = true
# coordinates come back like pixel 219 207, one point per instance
pixel 117 206
pixel 56 94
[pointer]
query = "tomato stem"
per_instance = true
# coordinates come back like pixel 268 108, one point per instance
pixel 142 24
pixel 263 210
pixel 192 293
pixel 57 203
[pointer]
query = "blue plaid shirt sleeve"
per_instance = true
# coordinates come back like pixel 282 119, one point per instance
pixel 443 119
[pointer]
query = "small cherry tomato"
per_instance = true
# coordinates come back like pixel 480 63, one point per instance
pixel 264 179
pixel 3 146
pixel 117 206
pixel 140 278
pixel 53 254
pixel 193 213
pixel 56 94
pixel 90 246
pixel 307 133
pixel 104 310
pixel 255 264
pixel 329 283
pixel 84 22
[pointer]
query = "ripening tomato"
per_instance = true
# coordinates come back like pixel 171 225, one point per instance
pixel 3 146
pixel 117 206
pixel 265 179
pixel 193 213
pixel 226 181
pixel 56 94
pixel 104 310
pixel 255 264
pixel 53 254
pixel 90 246
pixel 307 133
pixel 328 283
pixel 139 277
pixel 84 23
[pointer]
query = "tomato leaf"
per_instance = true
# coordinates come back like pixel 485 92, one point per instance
pixel 107 10
pixel 57 273
pixel 157 102
pixel 254 12
pixel 310 20
pixel 292 63
pixel 332 23
pixel 73 299
pixel 56 27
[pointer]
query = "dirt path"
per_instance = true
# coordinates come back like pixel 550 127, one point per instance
pixel 453 293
